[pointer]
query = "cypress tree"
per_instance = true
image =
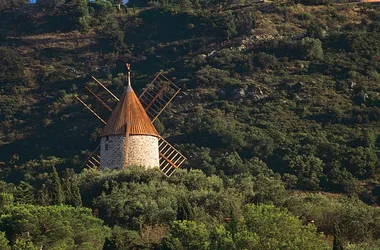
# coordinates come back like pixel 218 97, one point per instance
pixel 66 188
pixel 185 210
pixel 338 243
pixel 43 197
pixel 76 199
pixel 25 193
pixel 56 192
pixel 71 189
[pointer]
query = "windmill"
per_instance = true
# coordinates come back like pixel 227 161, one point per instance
pixel 129 136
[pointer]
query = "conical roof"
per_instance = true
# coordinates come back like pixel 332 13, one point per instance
pixel 129 117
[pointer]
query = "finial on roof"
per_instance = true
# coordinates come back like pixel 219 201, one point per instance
pixel 128 66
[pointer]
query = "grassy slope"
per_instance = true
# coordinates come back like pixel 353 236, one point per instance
pixel 50 123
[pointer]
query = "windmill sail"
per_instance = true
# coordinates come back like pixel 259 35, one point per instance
pixel 92 111
pixel 157 95
pixel 93 161
pixel 170 158
pixel 155 98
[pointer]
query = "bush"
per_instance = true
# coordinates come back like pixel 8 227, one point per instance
pixel 265 61
pixel 10 4
pixel 54 227
pixel 245 22
pixel 51 3
pixel 73 15
pixel 224 24
pixel 101 10
pixel 111 37
pixel 311 49
pixel 11 66
pixel 304 16
pixel 315 30
pixel 9 106
pixel 314 2
pixel 261 227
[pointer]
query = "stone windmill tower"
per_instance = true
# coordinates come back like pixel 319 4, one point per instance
pixel 129 137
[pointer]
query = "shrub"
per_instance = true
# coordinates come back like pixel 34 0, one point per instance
pixel 315 30
pixel 73 15
pixel 224 25
pixel 304 16
pixel 51 3
pixel 314 2
pixel 111 37
pixel 10 4
pixel 11 66
pixel 311 49
pixel 101 9
pixel 265 61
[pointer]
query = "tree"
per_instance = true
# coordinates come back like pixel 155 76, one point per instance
pixel 315 30
pixel 224 24
pixel 74 15
pixel 25 193
pixel 124 239
pixel 221 239
pixel 245 22
pixel 53 227
pixel 187 235
pixel 265 61
pixel 268 190
pixel 4 242
pixel 361 162
pixel 185 210
pixel 263 227
pixel 111 37
pixel 76 198
pixel 102 10
pixel 24 245
pixel 277 228
pixel 71 191
pixel 6 199
pixel 308 169
pixel 231 163
pixel 55 188
pixel 337 244
pixel 311 49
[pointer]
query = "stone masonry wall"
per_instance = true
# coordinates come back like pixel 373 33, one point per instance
pixel 143 151
pixel 112 152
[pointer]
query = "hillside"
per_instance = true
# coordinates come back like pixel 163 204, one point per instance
pixel 280 107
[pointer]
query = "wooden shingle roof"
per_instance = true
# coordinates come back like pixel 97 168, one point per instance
pixel 129 117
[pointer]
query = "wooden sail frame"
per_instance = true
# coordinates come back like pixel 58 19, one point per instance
pixel 158 95
pixel 92 111
pixel 170 158
pixel 93 161
pixel 98 98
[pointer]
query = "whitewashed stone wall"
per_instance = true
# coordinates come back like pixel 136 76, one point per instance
pixel 143 151
pixel 112 152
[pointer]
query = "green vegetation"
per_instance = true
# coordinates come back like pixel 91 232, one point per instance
pixel 279 118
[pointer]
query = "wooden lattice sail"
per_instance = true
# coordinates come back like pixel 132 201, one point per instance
pixel 170 158
pixel 93 161
pixel 157 95
pixel 154 99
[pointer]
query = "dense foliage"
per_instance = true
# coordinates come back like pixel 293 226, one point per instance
pixel 278 116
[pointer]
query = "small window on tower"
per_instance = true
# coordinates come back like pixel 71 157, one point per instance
pixel 107 138
pixel 107 147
